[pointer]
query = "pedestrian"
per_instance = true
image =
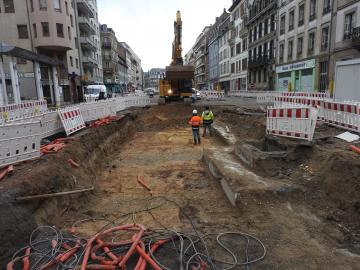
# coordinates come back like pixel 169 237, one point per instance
pixel 195 123
pixel 208 119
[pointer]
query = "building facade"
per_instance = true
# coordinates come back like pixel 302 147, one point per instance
pixel 110 58
pixel 48 28
pixel 224 55
pixel 238 46
pixel 201 60
pixel 261 26
pixel 345 42
pixel 123 68
pixel 88 29
pixel 213 49
pixel 303 45
pixel 153 76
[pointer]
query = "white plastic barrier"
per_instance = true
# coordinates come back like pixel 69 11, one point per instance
pixel 99 109
pixel 342 115
pixel 25 109
pixel 19 142
pixel 71 119
pixel 292 122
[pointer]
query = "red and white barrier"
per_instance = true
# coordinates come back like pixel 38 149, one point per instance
pixel 292 122
pixel 71 119
pixel 213 95
pixel 342 115
pixel 25 109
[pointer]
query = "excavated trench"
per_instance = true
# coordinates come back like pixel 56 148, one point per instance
pixel 267 179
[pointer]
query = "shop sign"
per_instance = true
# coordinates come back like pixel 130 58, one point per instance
pixel 296 66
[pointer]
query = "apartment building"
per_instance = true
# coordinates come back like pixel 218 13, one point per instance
pixel 304 45
pixel 48 28
pixel 213 49
pixel 135 72
pixel 109 44
pixel 261 26
pixel 224 55
pixel 238 46
pixel 153 76
pixel 123 67
pixel 89 41
pixel 201 59
pixel 345 34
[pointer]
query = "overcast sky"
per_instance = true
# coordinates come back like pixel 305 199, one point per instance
pixel 147 25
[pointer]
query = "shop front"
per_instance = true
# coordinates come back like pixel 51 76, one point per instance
pixel 297 77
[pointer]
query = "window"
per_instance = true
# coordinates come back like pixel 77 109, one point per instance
pixel 244 44
pixel 238 48
pixel 9 6
pixel 259 76
pixel 23 31
pixel 312 10
pixel 290 49
pixel 57 5
pixel 325 38
pixel 232 68
pixel 264 75
pixel 66 8
pixel 301 14
pixel 232 51
pixel 60 30
pixel 76 43
pixel 265 49
pixel 244 64
pixel 299 46
pixel 250 35
pixel 311 44
pixel 45 29
pixel 323 75
pixel 69 32
pixel 272 26
pixel 281 52
pixel 271 50
pixel 260 30
pixel 349 24
pixel 282 24
pixel 77 63
pixel 326 6
pixel 71 61
pixel 71 20
pixel 266 26
pixel 35 30
pixel 43 4
pixel 255 33
pixel 291 19
pixel 32 5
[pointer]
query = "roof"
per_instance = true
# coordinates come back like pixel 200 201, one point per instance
pixel 9 50
pixel 233 6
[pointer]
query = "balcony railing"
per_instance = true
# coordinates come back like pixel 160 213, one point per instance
pixel 106 45
pixel 312 17
pixel 355 37
pixel 260 61
pixel 301 22
pixel 324 47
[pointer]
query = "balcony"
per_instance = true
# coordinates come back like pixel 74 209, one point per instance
pixel 106 45
pixel 355 37
pixel 86 25
pixel 89 61
pixel 312 17
pixel 256 11
pixel 88 43
pixel 85 7
pixel 260 61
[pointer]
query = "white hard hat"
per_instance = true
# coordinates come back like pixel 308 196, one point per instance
pixel 194 111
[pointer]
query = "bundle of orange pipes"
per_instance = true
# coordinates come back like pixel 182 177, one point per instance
pixel 104 121
pixel 55 146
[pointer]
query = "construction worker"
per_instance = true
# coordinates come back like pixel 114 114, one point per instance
pixel 208 119
pixel 195 123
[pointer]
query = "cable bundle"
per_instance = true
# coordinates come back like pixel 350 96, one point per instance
pixel 133 246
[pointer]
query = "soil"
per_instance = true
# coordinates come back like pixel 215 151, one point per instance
pixel 315 226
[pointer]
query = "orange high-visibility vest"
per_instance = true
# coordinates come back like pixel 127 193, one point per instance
pixel 195 121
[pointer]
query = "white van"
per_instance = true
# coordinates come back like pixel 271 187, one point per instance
pixel 92 92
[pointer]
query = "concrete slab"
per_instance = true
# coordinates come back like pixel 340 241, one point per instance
pixel 224 133
pixel 235 179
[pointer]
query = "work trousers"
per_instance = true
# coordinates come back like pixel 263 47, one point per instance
pixel 196 135
pixel 207 126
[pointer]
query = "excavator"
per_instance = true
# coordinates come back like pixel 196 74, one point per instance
pixel 178 80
